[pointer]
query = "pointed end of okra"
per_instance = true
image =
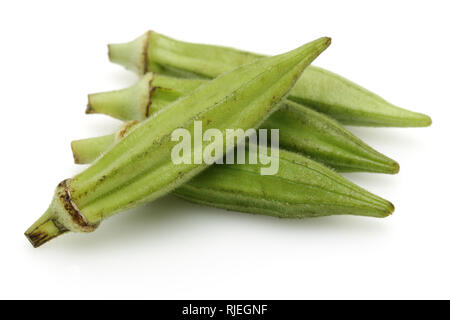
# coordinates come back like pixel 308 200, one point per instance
pixel 317 47
pixel 390 209
pixel 382 208
pixel 132 55
pixel 372 204
pixel 413 119
pixel 108 103
pixel 400 117
pixel 379 163
pixel 313 50
pixel 86 151
pixel 395 168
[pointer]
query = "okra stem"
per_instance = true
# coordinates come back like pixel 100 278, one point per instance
pixel 139 168
pixel 302 129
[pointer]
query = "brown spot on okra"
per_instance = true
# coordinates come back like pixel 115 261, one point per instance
pixel 145 52
pixel 109 52
pixel 150 94
pixel 77 217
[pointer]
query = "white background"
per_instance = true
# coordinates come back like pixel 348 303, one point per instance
pixel 54 53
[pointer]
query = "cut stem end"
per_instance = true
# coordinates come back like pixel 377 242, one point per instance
pixel 44 230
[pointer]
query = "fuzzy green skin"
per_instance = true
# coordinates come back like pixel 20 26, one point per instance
pixel 301 188
pixel 325 140
pixel 139 168
pixel 302 129
pixel 318 89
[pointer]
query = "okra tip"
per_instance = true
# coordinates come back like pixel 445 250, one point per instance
pixel 389 167
pixel 395 167
pixel 130 103
pixel 97 104
pixel 61 216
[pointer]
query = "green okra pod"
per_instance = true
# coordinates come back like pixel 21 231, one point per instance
pixel 301 187
pixel 318 89
pixel 139 168
pixel 301 129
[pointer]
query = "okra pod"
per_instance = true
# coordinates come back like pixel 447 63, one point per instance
pixel 301 129
pixel 301 187
pixel 139 168
pixel 318 89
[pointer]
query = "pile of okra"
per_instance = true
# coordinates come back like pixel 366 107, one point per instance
pixel 279 108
